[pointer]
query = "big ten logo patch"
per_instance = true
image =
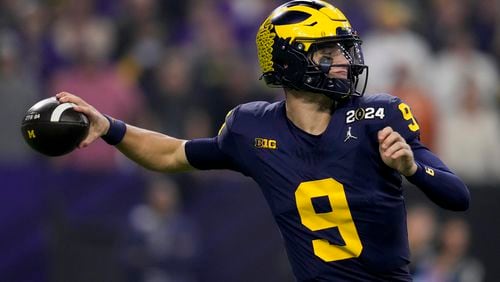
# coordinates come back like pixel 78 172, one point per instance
pixel 264 143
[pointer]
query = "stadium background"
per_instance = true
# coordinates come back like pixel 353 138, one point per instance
pixel 178 67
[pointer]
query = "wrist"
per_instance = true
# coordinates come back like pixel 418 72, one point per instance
pixel 413 169
pixel 115 132
pixel 106 126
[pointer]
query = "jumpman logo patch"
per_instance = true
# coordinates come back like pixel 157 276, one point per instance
pixel 349 135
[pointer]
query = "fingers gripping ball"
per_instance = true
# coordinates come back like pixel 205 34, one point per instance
pixel 54 129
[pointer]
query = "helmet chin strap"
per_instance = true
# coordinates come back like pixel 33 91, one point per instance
pixel 340 85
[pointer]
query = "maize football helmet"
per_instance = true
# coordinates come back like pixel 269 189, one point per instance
pixel 288 38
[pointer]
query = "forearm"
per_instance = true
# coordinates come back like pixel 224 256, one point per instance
pixel 150 149
pixel 442 187
pixel 436 180
pixel 153 150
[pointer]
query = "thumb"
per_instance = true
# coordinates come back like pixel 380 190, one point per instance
pixel 91 137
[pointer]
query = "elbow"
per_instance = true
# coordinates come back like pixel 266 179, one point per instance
pixel 459 206
pixel 464 201
pixel 461 201
pixel 171 164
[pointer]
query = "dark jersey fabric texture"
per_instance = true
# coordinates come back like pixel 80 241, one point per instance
pixel 340 209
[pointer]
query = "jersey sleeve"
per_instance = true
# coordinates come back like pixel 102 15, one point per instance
pixel 433 177
pixel 402 120
pixel 437 181
pixel 216 152
pixel 204 153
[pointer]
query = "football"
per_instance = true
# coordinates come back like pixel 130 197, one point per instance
pixel 54 128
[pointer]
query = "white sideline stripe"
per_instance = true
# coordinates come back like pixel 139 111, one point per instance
pixel 59 110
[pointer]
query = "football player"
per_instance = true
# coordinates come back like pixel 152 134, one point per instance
pixel 329 160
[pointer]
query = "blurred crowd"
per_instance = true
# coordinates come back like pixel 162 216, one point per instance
pixel 179 66
pixel 440 248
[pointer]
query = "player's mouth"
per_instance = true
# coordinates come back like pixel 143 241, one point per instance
pixel 340 74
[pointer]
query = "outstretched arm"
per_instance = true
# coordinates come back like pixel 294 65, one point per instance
pixel 152 150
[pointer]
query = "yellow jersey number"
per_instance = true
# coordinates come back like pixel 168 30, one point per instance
pixel 339 217
pixel 407 115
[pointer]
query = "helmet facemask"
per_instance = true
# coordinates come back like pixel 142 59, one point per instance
pixel 296 69
pixel 336 68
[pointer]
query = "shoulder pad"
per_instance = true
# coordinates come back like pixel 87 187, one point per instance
pixel 381 110
pixel 378 99
pixel 246 116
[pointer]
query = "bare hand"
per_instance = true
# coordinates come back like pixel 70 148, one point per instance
pixel 395 152
pixel 99 125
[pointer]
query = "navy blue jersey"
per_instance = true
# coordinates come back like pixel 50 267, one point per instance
pixel 340 209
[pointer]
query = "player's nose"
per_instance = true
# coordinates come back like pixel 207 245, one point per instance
pixel 339 71
pixel 341 60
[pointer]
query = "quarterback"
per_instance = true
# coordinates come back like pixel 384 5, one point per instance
pixel 328 159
